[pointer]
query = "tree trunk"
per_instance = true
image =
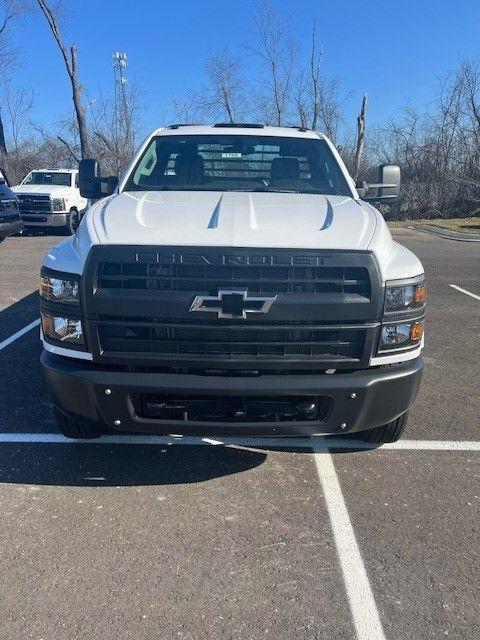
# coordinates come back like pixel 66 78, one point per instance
pixel 71 67
pixel 77 103
pixel 361 122
pixel 3 144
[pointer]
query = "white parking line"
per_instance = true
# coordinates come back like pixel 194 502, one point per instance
pixel 468 293
pixel 325 444
pixel 360 596
pixel 19 334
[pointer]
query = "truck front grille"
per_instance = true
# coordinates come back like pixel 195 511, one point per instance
pixel 34 204
pixel 8 210
pixel 229 338
pixel 138 303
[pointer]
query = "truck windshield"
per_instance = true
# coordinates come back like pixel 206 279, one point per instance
pixel 45 177
pixel 238 163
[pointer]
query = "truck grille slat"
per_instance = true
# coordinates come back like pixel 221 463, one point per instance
pixel 230 340
pixel 208 278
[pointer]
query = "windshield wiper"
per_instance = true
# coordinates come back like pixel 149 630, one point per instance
pixel 175 187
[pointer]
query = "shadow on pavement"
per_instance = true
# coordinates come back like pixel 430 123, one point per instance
pixel 18 314
pixel 55 232
pixel 90 465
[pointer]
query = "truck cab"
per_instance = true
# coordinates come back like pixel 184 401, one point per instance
pixel 233 282
pixel 10 222
pixel 51 198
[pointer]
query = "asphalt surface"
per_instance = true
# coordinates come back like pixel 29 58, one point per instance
pixel 195 542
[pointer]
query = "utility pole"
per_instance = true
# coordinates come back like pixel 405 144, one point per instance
pixel 121 113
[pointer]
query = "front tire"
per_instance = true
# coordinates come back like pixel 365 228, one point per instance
pixel 73 221
pixel 390 432
pixel 77 428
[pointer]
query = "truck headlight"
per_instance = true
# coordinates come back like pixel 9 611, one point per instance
pixel 405 296
pixel 59 204
pixel 59 289
pixel 402 335
pixel 63 329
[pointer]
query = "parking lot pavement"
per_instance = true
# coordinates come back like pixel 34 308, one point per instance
pixel 416 518
pixel 20 259
pixel 191 542
pixel 448 403
pixel 177 542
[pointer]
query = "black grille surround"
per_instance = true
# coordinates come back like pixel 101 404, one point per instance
pixel 136 304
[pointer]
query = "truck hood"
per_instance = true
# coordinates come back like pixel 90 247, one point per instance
pixel 206 218
pixel 42 189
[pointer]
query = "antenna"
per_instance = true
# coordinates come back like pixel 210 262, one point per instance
pixel 121 112
pixel 120 63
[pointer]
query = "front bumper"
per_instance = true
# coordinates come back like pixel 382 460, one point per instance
pixel 360 400
pixel 44 219
pixel 10 227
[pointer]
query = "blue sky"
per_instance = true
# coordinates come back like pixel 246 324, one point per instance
pixel 392 50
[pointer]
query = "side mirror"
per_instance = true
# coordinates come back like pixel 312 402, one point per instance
pixel 387 187
pixel 92 186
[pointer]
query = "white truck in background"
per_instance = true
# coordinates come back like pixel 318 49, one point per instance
pixel 51 198
pixel 234 281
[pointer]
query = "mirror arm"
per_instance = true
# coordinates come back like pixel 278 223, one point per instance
pixel 379 185
pixel 378 198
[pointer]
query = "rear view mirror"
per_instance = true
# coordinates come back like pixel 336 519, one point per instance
pixel 92 186
pixel 390 177
pixel 387 187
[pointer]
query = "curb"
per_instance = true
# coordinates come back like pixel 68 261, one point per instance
pixel 446 233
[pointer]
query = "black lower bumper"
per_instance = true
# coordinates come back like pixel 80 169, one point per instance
pixel 10 227
pixel 357 401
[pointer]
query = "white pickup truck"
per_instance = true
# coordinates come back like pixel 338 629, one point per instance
pixel 233 282
pixel 51 198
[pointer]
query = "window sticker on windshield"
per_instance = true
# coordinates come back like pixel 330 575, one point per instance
pixel 231 155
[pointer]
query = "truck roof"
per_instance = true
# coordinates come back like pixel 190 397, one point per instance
pixel 236 129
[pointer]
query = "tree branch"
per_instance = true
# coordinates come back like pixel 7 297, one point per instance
pixel 69 149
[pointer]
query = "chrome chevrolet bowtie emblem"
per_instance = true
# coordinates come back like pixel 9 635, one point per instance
pixel 232 305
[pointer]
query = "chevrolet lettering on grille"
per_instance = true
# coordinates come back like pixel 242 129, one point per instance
pixel 232 305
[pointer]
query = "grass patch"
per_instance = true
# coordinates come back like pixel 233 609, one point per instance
pixel 461 225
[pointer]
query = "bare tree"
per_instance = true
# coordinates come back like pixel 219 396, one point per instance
pixel 316 96
pixel 9 10
pixel 276 49
pixel 17 102
pixel 224 94
pixel 115 129
pixel 71 64
pixel 361 124
pixel 186 108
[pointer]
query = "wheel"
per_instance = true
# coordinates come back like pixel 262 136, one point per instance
pixel 73 221
pixel 76 427
pixel 389 432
